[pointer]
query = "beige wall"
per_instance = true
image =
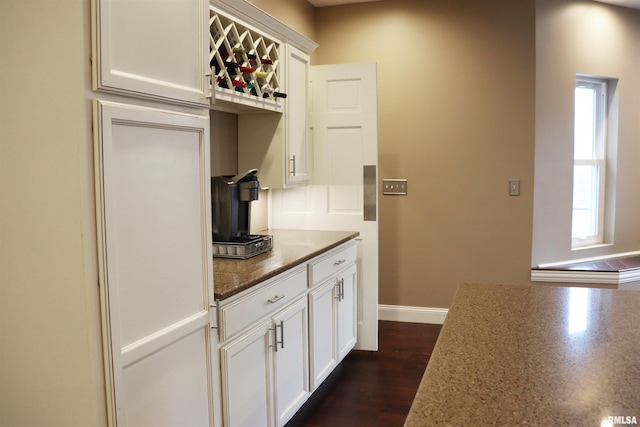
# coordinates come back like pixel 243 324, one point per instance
pixel 224 143
pixel 297 14
pixel 456 118
pixel 588 38
pixel 50 353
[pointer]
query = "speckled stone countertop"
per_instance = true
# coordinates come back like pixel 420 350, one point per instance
pixel 534 355
pixel 290 248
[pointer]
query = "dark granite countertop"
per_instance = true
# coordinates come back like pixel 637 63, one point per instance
pixel 533 355
pixel 290 248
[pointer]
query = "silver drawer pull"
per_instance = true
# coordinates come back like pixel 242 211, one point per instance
pixel 276 298
pixel 337 263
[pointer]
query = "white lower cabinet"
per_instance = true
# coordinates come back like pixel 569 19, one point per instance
pixel 265 370
pixel 322 329
pixel 246 383
pixel 291 360
pixel 346 322
pixel 333 323
pixel 282 338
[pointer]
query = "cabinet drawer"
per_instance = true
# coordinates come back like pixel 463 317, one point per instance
pixel 259 303
pixel 332 262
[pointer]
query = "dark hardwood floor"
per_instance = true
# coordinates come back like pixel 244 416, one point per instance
pixel 373 388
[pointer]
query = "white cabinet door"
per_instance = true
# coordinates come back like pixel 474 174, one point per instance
pixel 298 139
pixel 152 48
pixel 265 371
pixel 322 331
pixel 246 378
pixel 291 360
pixel 153 198
pixel 347 309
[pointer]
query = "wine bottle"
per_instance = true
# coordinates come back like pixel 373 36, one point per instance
pixel 238 49
pixel 266 91
pixel 261 74
pixel 246 69
pixel 238 83
pixel 279 95
pixel 266 61
pixel 251 56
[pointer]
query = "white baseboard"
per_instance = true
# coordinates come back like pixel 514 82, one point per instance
pixel 401 313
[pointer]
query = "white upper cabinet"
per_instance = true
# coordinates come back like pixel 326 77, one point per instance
pixel 297 138
pixel 279 145
pixel 152 49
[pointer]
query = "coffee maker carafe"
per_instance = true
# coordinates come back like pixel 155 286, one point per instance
pixel 231 198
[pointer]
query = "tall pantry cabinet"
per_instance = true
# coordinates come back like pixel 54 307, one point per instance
pixel 151 129
pixel 154 79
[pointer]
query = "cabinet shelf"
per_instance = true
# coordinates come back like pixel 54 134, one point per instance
pixel 245 66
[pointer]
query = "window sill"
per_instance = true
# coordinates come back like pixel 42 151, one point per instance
pixel 612 270
pixel 595 246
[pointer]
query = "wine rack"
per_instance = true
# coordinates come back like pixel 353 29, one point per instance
pixel 245 64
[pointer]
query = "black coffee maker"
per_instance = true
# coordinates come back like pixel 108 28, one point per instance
pixel 231 198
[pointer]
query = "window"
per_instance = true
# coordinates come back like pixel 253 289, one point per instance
pixel 590 135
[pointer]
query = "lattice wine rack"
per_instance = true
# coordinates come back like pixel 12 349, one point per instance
pixel 244 62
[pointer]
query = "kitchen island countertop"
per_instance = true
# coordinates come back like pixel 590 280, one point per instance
pixel 290 248
pixel 534 355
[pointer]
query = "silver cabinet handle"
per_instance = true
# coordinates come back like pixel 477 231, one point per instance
pixel 275 298
pixel 275 333
pixel 281 335
pixel 337 263
pixel 218 318
pixel 293 160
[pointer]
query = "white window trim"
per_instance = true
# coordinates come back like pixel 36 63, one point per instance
pixel 601 86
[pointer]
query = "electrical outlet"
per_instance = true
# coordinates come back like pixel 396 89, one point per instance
pixel 394 186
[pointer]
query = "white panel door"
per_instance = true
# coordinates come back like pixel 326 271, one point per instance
pixel 153 48
pixel 153 196
pixel 345 140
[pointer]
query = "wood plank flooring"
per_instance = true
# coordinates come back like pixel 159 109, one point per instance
pixel 373 388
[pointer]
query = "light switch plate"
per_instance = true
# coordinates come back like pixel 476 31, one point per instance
pixel 514 187
pixel 394 186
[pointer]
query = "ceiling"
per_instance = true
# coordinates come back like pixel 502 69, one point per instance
pixel 635 4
